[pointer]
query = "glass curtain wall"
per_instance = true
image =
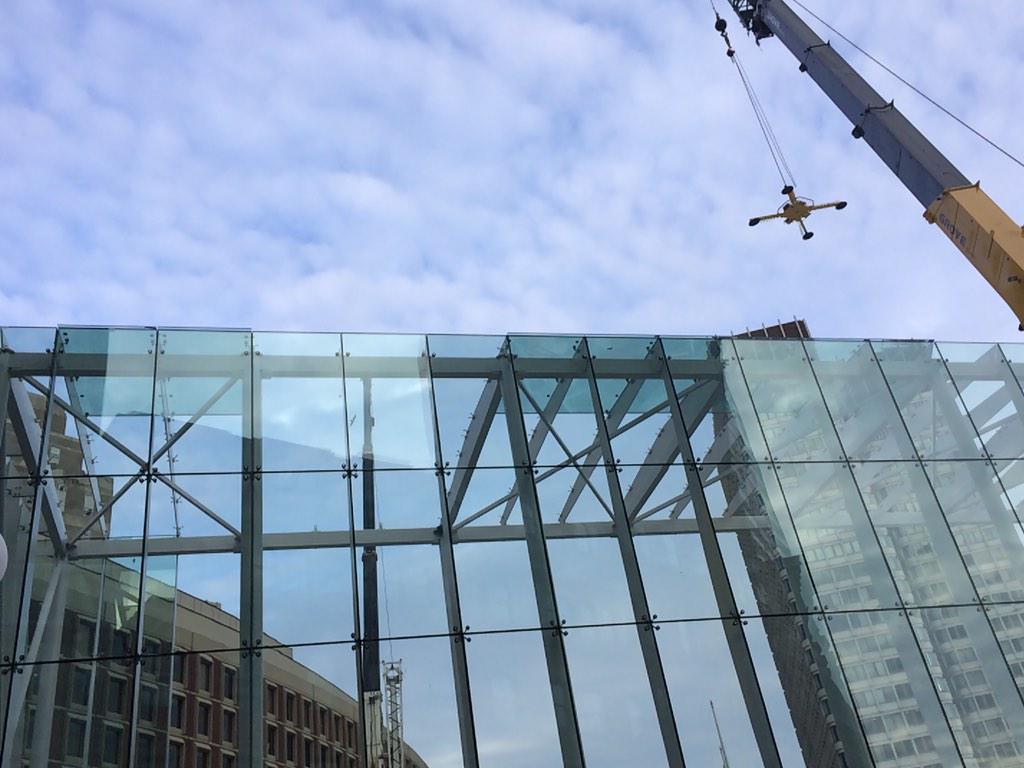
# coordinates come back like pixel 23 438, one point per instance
pixel 230 548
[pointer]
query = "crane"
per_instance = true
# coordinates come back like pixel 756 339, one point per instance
pixel 983 232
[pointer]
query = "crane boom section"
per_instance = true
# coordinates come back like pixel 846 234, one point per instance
pixel 979 228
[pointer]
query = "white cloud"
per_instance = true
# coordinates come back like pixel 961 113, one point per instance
pixel 506 166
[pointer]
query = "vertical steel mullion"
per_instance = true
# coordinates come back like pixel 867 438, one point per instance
pixel 456 641
pixel 351 468
pixel 28 567
pixel 251 568
pixel 634 581
pixel 543 586
pixel 743 663
pixel 140 618
pixel 878 539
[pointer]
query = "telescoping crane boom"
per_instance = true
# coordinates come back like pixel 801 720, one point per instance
pixel 983 232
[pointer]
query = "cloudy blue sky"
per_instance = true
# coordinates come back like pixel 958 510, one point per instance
pixel 478 167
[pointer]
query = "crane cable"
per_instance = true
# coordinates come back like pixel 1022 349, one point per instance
pixel 778 157
pixel 913 87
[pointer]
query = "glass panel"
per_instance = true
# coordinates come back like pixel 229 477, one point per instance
pixel 788 401
pixel 890 683
pixel 589 579
pixel 307 501
pixel 495 585
pixel 918 545
pixel 409 599
pixel 512 697
pixel 303 407
pixel 614 706
pixel 387 388
pixel 573 495
pixel 184 506
pixel 982 702
pixel 306 689
pixel 991 395
pixel 205 590
pixel 430 723
pixel 713 395
pixel 470 413
pixel 444 346
pixel 859 401
pixel 201 379
pixel 805 691
pixel 758 543
pixel 307 595
pixel 699 672
pixel 25 339
pixel 103 399
pixel 73 714
pixel 400 499
pixel 485 496
pixel 927 399
pixel 836 536
pixel 675 576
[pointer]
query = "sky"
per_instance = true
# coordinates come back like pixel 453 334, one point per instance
pixel 488 167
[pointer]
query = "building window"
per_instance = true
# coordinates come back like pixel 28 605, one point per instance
pixel 289 706
pixel 177 711
pixel 350 729
pixel 178 666
pixel 323 722
pixel 123 645
pixel 227 761
pixel 289 747
pixel 112 745
pixel 307 753
pixel 84 637
pixel 271 741
pixel 337 727
pixel 228 721
pixel 174 750
pixel 202 758
pixel 307 714
pixel 323 756
pixel 203 719
pixel 144 751
pixel 75 743
pixel 205 675
pixel 81 682
pixel 272 699
pixel 116 687
pixel 229 683
pixel 338 758
pixel 147 703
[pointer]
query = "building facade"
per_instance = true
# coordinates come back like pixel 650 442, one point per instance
pixel 235 548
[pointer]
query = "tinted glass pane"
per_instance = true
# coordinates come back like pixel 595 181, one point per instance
pixel 788 402
pixel 990 394
pixel 927 399
pixel 859 400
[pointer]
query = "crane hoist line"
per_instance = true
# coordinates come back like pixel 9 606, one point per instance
pixel 982 231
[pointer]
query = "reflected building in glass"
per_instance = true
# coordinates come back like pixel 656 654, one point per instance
pixel 236 548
